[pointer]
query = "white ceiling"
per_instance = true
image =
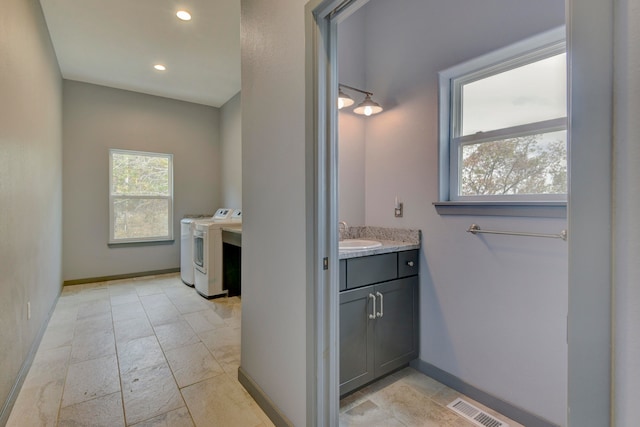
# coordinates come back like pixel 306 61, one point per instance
pixel 116 43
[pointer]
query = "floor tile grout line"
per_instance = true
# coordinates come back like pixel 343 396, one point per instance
pixel 67 365
pixel 115 343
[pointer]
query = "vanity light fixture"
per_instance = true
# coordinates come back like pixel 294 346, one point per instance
pixel 183 15
pixel 344 100
pixel 160 67
pixel 367 107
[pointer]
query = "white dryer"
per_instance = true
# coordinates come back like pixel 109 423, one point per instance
pixel 207 252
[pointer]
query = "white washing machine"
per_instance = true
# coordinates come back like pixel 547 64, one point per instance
pixel 207 251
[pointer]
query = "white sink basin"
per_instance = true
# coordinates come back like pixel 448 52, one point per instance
pixel 358 244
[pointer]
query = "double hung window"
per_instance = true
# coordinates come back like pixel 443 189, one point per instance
pixel 504 124
pixel 140 196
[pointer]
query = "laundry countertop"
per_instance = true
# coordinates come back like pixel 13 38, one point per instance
pixel 232 235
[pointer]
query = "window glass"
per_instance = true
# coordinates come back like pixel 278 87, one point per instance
pixel 524 165
pixel 140 174
pixel 141 199
pixel 527 94
pixel 140 218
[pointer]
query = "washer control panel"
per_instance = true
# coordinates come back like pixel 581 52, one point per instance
pixel 222 213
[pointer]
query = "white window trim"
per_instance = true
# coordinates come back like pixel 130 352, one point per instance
pixel 512 56
pixel 113 198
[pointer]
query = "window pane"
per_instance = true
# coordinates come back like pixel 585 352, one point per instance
pixel 140 175
pixel 527 94
pixel 533 164
pixel 140 218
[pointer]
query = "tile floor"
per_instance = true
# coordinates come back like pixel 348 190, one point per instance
pixel 407 398
pixel 151 352
pixel 138 352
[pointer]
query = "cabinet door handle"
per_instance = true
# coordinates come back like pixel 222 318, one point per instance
pixel 410 263
pixel 373 307
pixel 381 312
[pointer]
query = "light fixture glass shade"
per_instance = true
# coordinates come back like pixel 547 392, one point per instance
pixel 368 107
pixel 344 100
pixel 183 15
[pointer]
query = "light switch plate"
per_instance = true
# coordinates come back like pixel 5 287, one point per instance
pixel 398 210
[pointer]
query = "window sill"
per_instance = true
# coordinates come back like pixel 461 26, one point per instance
pixel 140 243
pixel 526 209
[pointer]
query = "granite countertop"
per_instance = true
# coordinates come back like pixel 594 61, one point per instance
pixel 388 246
pixel 392 239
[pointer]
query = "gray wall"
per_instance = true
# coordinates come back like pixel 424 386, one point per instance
pixel 30 183
pixel 493 308
pixel 351 169
pixel 231 153
pixel 627 234
pixel 351 127
pixel 97 118
pixel 274 174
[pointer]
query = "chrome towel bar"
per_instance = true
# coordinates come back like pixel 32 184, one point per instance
pixel 475 229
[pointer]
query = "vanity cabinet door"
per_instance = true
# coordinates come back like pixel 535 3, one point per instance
pixel 356 339
pixel 396 331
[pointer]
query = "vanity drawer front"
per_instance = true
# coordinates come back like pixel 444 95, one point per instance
pixel 408 263
pixel 371 269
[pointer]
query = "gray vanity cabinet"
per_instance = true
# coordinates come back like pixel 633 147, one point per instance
pixel 378 324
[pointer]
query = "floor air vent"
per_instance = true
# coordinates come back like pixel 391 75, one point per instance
pixel 475 415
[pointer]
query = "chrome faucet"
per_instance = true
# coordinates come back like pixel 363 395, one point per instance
pixel 342 227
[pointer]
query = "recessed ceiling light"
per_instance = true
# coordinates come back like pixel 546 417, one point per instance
pixel 184 15
pixel 159 67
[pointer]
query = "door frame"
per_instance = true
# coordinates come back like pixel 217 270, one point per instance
pixel 321 21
